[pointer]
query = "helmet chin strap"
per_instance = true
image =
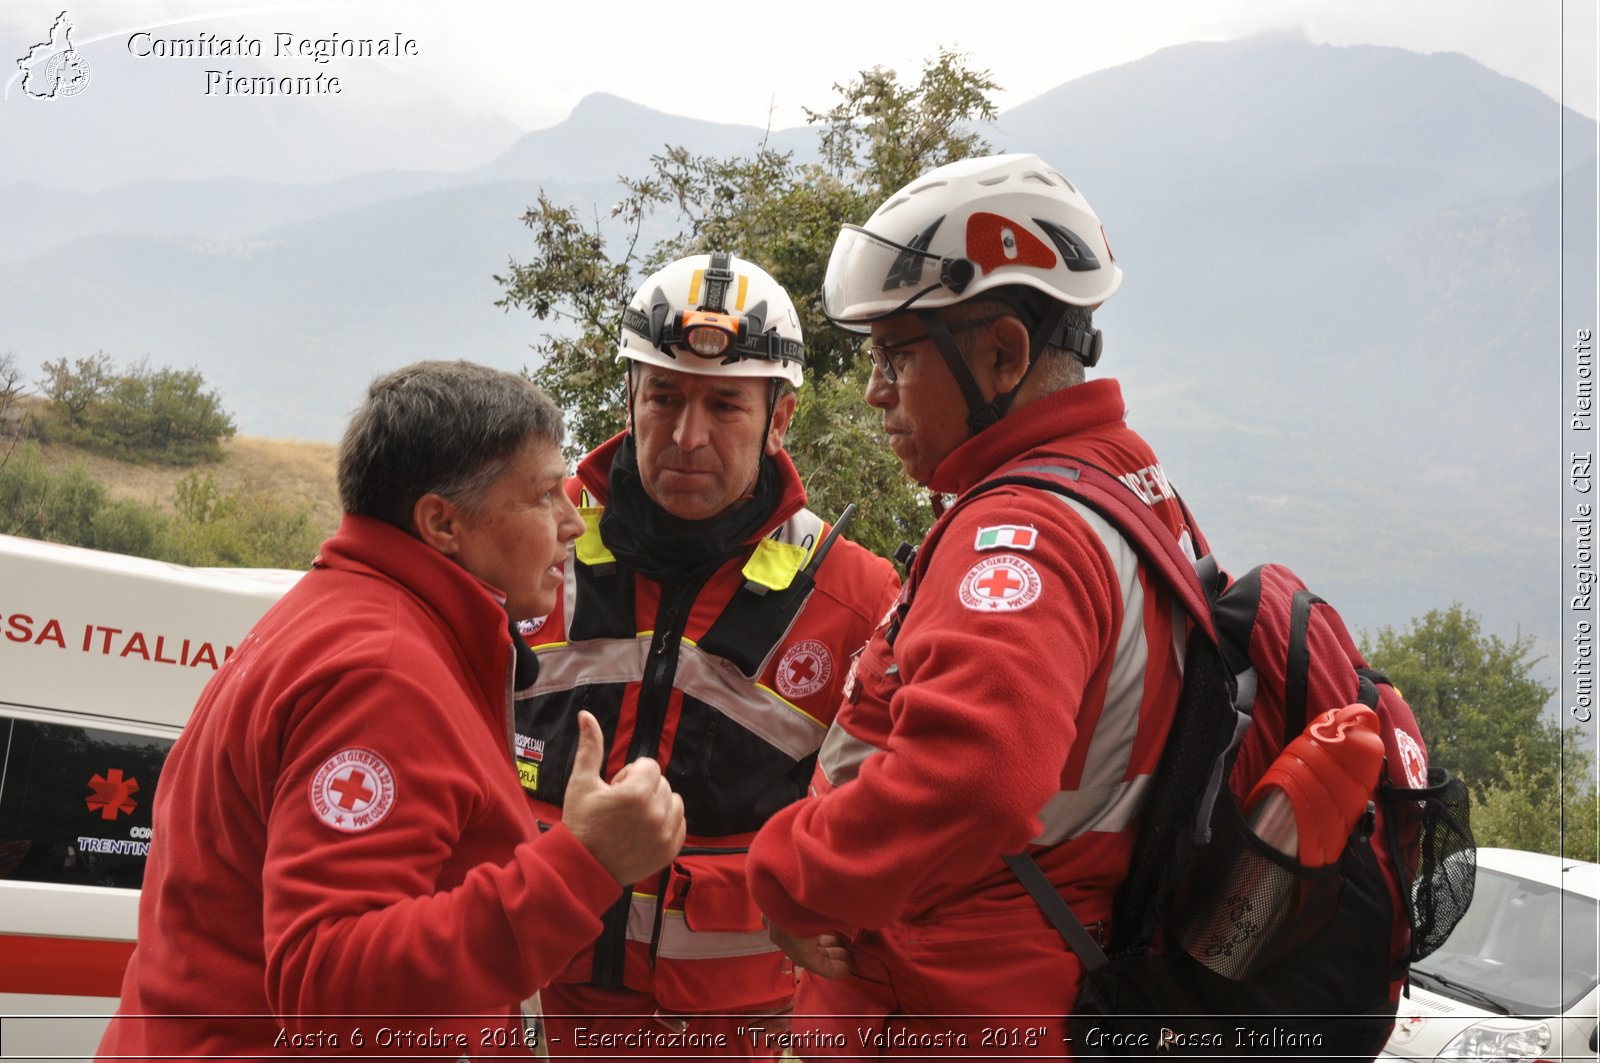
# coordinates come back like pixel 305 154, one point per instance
pixel 761 450
pixel 982 412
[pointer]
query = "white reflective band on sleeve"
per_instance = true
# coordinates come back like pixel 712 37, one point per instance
pixel 1105 799
pixel 678 942
pixel 756 708
pixel 1074 812
pixel 842 755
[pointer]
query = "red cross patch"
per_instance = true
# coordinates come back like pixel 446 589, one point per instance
pixel 804 669
pixel 1002 583
pixel 1412 758
pixel 353 791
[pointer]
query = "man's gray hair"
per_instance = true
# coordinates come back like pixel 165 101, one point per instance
pixel 1058 368
pixel 445 428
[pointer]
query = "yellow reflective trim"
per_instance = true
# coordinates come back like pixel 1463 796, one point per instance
pixel 774 565
pixel 694 287
pixel 792 706
pixel 650 898
pixel 744 287
pixel 591 548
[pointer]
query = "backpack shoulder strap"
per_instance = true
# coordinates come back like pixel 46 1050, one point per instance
pixel 1194 582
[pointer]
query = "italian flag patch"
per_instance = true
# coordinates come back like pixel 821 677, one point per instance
pixel 1006 537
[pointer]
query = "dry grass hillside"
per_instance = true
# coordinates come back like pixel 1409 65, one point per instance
pixel 290 470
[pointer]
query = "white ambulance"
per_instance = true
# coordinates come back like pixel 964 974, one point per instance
pixel 101 660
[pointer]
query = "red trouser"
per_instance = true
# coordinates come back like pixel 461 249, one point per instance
pixel 978 985
pixel 586 1023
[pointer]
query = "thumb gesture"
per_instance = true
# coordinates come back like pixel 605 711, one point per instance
pixel 586 766
pixel 633 825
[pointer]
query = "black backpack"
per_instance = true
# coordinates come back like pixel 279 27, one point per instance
pixel 1264 656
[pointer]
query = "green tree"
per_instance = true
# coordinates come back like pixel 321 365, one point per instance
pixel 75 389
pixel 250 528
pixel 10 391
pixel 1539 806
pixel 12 417
pixel 141 414
pixel 74 508
pixel 165 415
pixel 784 216
pixel 1481 711
pixel 1474 694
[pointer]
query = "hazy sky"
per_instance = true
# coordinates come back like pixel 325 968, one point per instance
pixel 531 62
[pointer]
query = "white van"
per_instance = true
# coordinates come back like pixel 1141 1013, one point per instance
pixel 1517 978
pixel 101 660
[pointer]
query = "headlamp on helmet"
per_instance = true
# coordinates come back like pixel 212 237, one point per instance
pixel 762 341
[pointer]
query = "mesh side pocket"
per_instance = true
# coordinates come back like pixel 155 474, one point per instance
pixel 1249 904
pixel 1432 830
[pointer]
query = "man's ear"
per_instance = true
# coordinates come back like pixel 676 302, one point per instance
pixel 782 414
pixel 1011 353
pixel 437 523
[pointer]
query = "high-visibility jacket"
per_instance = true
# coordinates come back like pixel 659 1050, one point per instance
pixel 1022 702
pixel 731 685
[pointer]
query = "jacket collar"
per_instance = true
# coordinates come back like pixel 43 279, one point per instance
pixel 1092 404
pixel 470 613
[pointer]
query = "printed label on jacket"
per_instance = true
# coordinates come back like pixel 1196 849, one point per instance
pixel 1006 537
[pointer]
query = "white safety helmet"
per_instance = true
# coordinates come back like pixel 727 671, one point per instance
pixel 715 315
pixel 966 228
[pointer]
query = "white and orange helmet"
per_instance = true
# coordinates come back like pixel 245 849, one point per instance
pixel 1004 226
pixel 964 229
pixel 715 315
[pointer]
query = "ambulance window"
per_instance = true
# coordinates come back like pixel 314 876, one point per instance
pixel 75 803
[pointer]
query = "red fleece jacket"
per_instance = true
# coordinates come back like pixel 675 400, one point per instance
pixel 340 830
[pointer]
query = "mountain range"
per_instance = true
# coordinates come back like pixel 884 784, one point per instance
pixel 1342 325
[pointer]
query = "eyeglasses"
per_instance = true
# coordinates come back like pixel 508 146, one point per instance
pixel 886 355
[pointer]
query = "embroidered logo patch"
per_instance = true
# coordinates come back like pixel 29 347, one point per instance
pixel 530 756
pixel 526 628
pixel 1002 583
pixel 804 669
pixel 1411 755
pixel 353 791
pixel 1006 537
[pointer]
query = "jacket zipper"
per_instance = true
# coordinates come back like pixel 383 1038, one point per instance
pixel 661 667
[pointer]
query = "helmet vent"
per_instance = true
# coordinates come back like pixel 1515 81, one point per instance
pixel 1075 253
pixel 926 187
pixel 1042 178
pixel 898 201
pixel 995 180
pixel 1070 186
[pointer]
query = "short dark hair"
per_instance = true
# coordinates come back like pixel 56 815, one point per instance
pixel 444 428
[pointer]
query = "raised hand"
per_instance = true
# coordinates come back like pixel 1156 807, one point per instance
pixel 634 824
